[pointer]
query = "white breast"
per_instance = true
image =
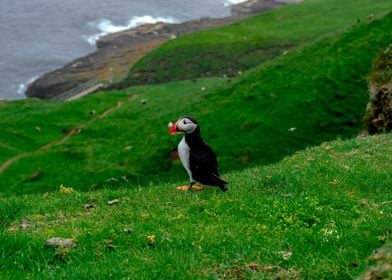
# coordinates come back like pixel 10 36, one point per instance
pixel 183 152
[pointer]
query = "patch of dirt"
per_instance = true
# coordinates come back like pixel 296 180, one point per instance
pixel 252 269
pixel 382 268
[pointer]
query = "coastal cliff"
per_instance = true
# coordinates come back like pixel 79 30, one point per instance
pixel 117 52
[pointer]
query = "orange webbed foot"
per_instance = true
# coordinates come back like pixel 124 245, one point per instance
pixel 198 188
pixel 183 188
pixel 186 188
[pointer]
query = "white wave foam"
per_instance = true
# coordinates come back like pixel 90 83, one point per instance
pixel 233 2
pixel 22 87
pixel 105 26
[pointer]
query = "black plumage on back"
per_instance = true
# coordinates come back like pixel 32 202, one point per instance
pixel 203 162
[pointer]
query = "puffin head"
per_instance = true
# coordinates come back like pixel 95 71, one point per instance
pixel 185 124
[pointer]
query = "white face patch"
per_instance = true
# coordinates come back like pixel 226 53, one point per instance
pixel 186 125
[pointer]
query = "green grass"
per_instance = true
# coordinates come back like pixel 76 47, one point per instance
pixel 19 120
pixel 315 215
pixel 250 42
pixel 319 91
pixel 130 140
pixel 291 212
pixel 309 96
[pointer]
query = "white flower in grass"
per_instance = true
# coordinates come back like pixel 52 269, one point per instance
pixel 330 233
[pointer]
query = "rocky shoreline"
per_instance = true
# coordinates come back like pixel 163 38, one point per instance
pixel 117 52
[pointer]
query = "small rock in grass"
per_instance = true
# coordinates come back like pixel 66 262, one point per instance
pixel 128 230
pixel 114 201
pixel 38 129
pixel 143 101
pixel 89 206
pixel 17 227
pixel 58 242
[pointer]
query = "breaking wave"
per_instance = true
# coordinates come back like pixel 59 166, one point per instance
pixel 22 87
pixel 233 2
pixel 106 26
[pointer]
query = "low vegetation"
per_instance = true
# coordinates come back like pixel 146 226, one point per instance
pixel 318 214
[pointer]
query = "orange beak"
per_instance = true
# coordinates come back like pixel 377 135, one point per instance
pixel 173 129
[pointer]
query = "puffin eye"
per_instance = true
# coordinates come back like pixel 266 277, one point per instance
pixel 185 122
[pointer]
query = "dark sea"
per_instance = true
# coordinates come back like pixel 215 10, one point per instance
pixel 37 36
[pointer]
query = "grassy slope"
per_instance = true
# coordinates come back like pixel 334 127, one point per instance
pixel 315 215
pixel 19 119
pixel 320 90
pixel 99 151
pixel 248 43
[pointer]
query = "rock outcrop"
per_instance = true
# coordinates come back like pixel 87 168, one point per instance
pixel 379 113
pixel 254 6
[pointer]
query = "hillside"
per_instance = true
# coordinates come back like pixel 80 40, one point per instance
pixel 248 43
pixel 318 214
pixel 307 199
pixel 311 95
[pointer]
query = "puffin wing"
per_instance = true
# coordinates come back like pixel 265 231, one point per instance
pixel 204 166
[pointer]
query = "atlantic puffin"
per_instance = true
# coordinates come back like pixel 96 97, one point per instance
pixel 197 157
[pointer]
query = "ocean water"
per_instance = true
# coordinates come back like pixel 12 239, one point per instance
pixel 38 36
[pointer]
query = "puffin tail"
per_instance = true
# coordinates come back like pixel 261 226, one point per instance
pixel 224 187
pixel 222 184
